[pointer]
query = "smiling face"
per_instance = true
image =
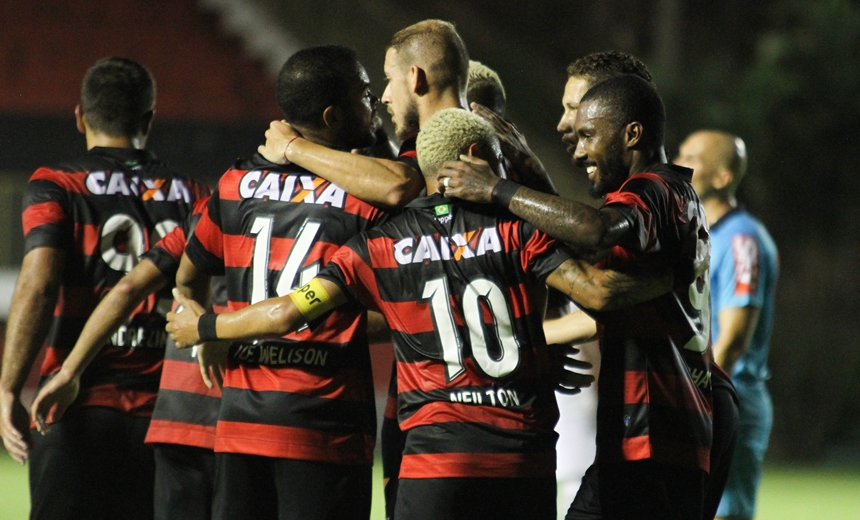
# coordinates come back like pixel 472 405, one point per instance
pixel 398 96
pixel 601 148
pixel 575 88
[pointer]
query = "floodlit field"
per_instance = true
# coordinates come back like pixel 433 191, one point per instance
pixel 788 493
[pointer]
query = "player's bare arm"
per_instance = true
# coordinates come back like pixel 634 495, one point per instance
pixel 575 327
pixel 108 316
pixel 606 290
pixel 212 355
pixel 737 326
pixel 567 220
pixel 30 316
pixel 529 170
pixel 192 283
pixel 381 182
pixel 270 318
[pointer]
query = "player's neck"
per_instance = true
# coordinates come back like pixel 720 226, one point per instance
pixel 642 161
pixel 716 207
pixel 433 102
pixel 95 139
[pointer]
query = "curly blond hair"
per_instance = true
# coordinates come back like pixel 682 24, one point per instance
pixel 449 133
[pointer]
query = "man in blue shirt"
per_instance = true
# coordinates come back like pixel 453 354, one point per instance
pixel 744 271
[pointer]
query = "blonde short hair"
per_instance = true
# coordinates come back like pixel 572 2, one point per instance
pixel 449 133
pixel 435 46
pixel 485 86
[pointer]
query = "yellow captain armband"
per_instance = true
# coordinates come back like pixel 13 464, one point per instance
pixel 312 300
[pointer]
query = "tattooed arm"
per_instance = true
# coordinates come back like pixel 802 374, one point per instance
pixel 606 290
pixel 575 223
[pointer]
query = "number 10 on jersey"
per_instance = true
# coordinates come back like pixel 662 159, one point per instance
pixel 475 292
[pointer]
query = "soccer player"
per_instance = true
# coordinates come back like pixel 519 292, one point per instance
pixel 485 88
pixel 462 289
pixel 297 424
pixel 182 428
pixel 744 272
pixel 426 67
pixel 86 224
pixel 584 73
pixel 654 398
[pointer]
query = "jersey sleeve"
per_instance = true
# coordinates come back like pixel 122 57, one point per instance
pixel 167 253
pixel 45 218
pixel 737 274
pixel 353 274
pixel 205 247
pixel 541 254
pixel 640 200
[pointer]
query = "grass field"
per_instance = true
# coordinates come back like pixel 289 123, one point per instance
pixel 788 493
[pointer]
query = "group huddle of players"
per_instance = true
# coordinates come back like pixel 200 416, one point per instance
pixel 277 280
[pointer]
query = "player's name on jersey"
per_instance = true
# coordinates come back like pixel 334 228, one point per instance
pixel 458 246
pixel 118 183
pixel 137 336
pixel 504 397
pixel 283 187
pixel 274 355
pixel 702 378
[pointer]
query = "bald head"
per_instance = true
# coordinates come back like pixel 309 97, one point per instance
pixel 718 160
pixel 436 47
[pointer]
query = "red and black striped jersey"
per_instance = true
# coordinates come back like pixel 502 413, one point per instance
pixel 654 397
pixel 106 211
pixel 186 409
pixel 461 287
pixel 308 395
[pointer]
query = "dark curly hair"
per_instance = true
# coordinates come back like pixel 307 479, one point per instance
pixel 601 66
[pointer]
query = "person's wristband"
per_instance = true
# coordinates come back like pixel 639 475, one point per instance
pixel 503 192
pixel 288 147
pixel 206 327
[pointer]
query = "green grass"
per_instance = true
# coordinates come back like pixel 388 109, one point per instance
pixel 787 493
pixel 800 493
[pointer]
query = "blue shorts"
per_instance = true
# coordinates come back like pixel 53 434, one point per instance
pixel 756 420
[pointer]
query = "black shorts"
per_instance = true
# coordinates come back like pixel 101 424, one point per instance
pixel 265 488
pixel 648 490
pixel 475 498
pixel 184 479
pixel 92 464
pixel 586 504
pixel 726 424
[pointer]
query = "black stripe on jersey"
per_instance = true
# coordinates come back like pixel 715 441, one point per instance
pixel 186 407
pixel 328 358
pixel 164 261
pixel 530 394
pixel 340 223
pixel 454 437
pixel 122 379
pixel 299 411
pixel 203 260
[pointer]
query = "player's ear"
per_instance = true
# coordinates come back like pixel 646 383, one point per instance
pixel 418 80
pixel 79 119
pixel 331 116
pixel 633 133
pixel 146 122
pixel 474 150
